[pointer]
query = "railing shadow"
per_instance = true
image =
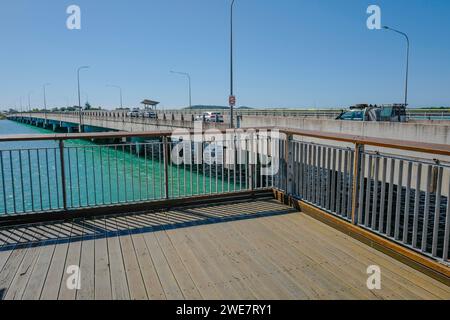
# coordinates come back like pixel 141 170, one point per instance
pixel 135 223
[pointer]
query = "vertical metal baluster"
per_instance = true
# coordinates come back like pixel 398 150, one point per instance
pixel 63 174
pixel 40 179
pixel 12 181
pixel 350 184
pixel 300 170
pixel 86 176
pixel 30 174
pixel 153 172
pixel 58 203
pixel 407 203
pixel 210 174
pixel 417 205
pixel 313 174
pixel 184 169
pixel 166 150
pixel 437 213
pixel 390 198
pixel 199 154
pixel 21 181
pixel 235 162
pixel 3 182
pixel 216 164
pixel 204 169
pixel 125 174
pixel 426 210
pixel 93 175
pixel 259 156
pixel 398 200
pixel 109 175
pixel 191 170
pixel 316 173
pixel 223 169
pixel 146 172
pixel 69 161
pixel 308 174
pixel 362 173
pixel 296 167
pixel 78 177
pixel 383 196
pixel 323 179
pixel 328 182
pixel 161 166
pixel 339 184
pixel 447 228
pixel 130 156
pixel 138 155
pixel 368 189
pixel 344 189
pixel 318 176
pixel 375 192
pixel 116 153
pixel 333 182
pixel 48 180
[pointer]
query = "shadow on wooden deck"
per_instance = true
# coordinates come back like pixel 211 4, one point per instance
pixel 141 222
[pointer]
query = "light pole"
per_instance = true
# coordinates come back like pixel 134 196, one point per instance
pixel 80 128
pixel 189 81
pixel 232 99
pixel 120 90
pixel 407 59
pixel 45 102
pixel 29 103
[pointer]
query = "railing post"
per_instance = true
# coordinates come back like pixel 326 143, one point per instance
pixel 166 165
pixel 290 164
pixel 359 149
pixel 63 174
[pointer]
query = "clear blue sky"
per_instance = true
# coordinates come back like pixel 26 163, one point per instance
pixel 289 53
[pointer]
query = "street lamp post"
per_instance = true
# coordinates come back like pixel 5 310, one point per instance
pixel 29 103
pixel 45 103
pixel 120 90
pixel 80 128
pixel 189 81
pixel 407 59
pixel 232 99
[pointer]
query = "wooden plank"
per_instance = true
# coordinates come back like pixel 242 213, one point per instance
pixel 56 270
pixel 410 284
pixel 37 279
pixel 263 284
pixel 150 277
pixel 26 268
pixel 73 259
pixel 103 290
pixel 9 269
pixel 119 283
pixel 87 267
pixel 196 267
pixel 168 281
pixel 184 280
pixel 133 272
pixel 231 279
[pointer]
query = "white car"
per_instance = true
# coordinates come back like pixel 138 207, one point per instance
pixel 210 117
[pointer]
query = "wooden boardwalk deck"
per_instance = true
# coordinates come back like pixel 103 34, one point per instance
pixel 248 250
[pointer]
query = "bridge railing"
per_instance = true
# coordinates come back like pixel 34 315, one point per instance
pixel 66 173
pixel 397 189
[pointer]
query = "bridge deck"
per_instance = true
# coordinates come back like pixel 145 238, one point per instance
pixel 249 250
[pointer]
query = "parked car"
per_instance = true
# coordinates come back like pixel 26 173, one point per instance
pixel 149 114
pixel 210 117
pixel 363 112
pixel 134 113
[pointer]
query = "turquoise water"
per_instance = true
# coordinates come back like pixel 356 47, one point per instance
pixel 31 179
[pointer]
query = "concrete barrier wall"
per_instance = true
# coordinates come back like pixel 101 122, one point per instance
pixel 414 131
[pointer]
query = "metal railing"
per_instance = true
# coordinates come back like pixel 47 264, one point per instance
pixel 71 174
pixel 393 191
pixel 400 197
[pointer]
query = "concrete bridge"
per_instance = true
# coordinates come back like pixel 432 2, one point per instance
pixel 426 131
pixel 100 121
